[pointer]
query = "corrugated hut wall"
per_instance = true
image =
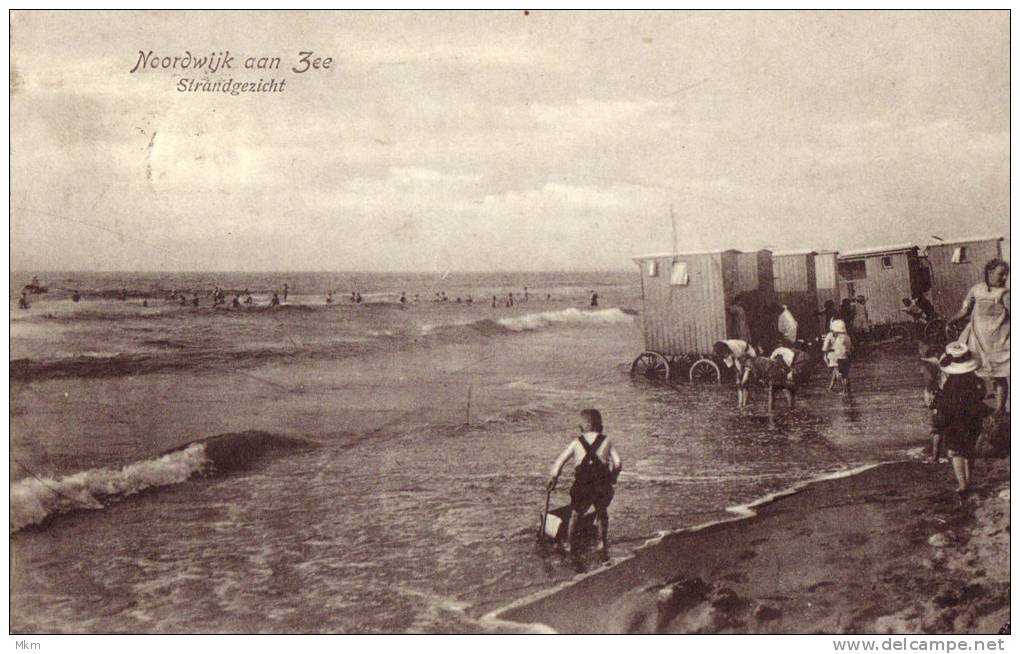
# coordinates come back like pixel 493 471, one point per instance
pixel 689 318
pixel 951 281
pixel 884 288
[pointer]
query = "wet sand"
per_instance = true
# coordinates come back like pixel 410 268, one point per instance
pixel 889 550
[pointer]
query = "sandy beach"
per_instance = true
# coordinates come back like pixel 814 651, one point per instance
pixel 889 550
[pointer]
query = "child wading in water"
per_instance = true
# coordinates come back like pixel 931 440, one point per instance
pixel 597 466
pixel 736 354
pixel 837 347
pixel 770 372
pixel 960 410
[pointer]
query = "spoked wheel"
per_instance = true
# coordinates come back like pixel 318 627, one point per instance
pixel 650 365
pixel 953 331
pixel 704 371
pixel 936 329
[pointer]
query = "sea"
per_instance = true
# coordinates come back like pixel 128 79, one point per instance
pixel 371 467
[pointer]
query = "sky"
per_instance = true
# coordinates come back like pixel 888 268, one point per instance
pixel 504 140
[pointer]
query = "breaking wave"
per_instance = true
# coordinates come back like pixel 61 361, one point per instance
pixel 533 321
pixel 171 355
pixel 33 500
pixel 536 321
pixel 178 351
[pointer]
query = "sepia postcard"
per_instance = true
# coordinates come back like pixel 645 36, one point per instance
pixel 510 322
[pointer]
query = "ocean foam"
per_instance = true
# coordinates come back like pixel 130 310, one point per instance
pixel 533 321
pixel 33 500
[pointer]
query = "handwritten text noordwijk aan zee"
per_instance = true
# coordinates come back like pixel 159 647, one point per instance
pixel 213 70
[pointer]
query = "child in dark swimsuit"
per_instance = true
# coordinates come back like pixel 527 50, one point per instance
pixel 597 466
pixel 960 410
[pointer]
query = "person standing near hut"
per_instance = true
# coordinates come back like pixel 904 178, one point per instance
pixel 738 319
pixel 846 311
pixel 987 334
pixel 862 324
pixel 960 410
pixel 827 314
pixel 787 325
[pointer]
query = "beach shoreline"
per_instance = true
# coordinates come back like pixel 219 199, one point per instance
pixel 889 549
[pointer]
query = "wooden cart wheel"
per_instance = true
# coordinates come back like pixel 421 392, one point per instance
pixel 704 371
pixel 650 365
pixel 953 330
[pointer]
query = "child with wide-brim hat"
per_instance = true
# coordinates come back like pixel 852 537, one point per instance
pixel 960 410
pixel 837 347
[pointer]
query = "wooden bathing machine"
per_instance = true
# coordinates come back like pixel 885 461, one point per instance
pixel 884 275
pixel 685 296
pixel 797 288
pixel 956 266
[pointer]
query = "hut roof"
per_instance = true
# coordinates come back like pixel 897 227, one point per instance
pixel 960 241
pixel 876 251
pixel 664 255
pixel 689 253
pixel 794 253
